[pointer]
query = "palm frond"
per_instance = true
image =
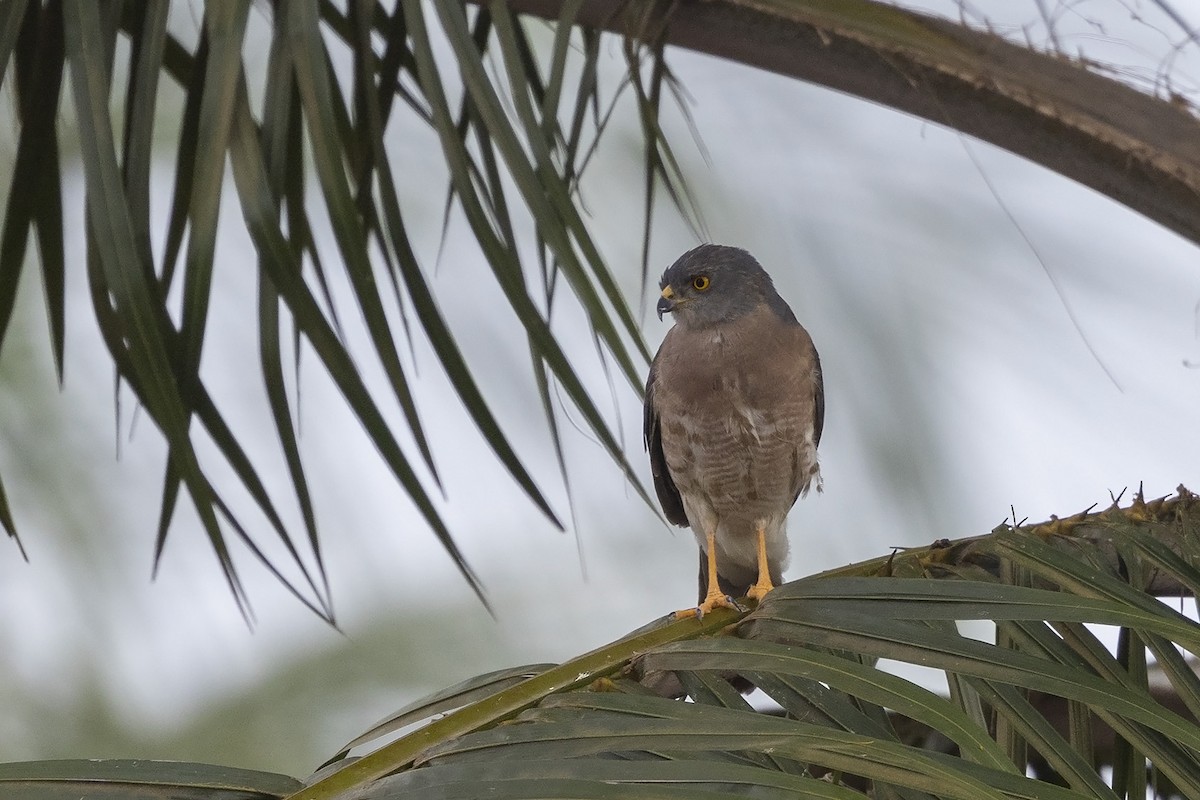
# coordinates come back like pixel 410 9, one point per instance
pixel 658 713
pixel 157 350
pixel 170 780
pixel 511 117
pixel 842 725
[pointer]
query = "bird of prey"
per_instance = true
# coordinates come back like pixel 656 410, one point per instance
pixel 733 416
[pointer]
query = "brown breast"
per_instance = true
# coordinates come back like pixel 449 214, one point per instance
pixel 737 406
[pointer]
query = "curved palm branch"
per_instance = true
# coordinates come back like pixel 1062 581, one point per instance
pixel 515 141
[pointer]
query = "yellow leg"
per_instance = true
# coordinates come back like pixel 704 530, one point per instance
pixel 759 590
pixel 714 597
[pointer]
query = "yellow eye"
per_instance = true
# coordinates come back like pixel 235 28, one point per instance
pixel 700 283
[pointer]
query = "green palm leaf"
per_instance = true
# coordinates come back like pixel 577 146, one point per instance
pixel 515 149
pixel 614 722
pixel 177 780
pixel 813 647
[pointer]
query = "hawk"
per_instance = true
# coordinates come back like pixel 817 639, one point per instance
pixel 733 416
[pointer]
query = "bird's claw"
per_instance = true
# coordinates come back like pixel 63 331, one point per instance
pixel 757 592
pixel 711 602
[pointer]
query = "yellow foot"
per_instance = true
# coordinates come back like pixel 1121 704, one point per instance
pixel 759 590
pixel 711 601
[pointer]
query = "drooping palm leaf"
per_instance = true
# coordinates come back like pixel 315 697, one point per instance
pixel 158 353
pixel 515 149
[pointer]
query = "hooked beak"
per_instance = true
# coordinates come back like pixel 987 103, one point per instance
pixel 666 303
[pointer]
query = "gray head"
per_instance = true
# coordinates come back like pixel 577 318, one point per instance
pixel 714 283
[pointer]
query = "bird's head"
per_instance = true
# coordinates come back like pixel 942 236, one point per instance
pixel 714 283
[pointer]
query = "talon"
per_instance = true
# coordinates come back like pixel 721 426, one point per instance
pixel 758 591
pixel 711 602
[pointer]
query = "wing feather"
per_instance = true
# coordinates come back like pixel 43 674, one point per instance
pixel 664 485
pixel 818 399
